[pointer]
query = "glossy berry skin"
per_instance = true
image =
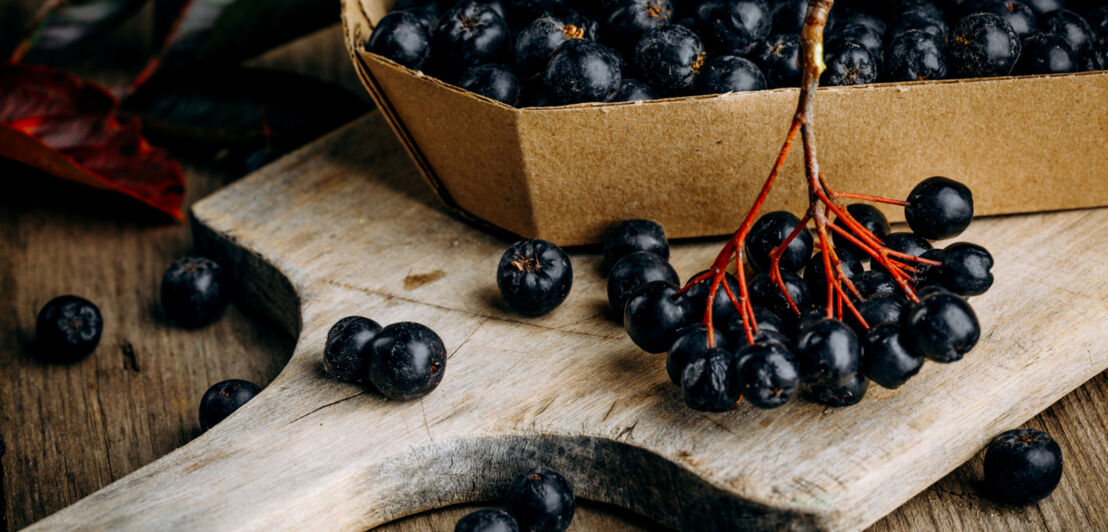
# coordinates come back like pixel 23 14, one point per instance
pixel 850 64
pixel 689 343
pixel 710 381
pixel 966 269
pixel 1022 466
pixel 632 90
pixel 1046 53
pixel 764 292
pixel 883 308
pixel 633 271
pixel 722 308
pixel 536 42
pixel 1020 17
pixel 909 243
pixel 487 520
pixel 582 71
pixel 875 282
pixel 868 217
pixel 402 37
pixel 733 27
pixel 885 359
pixel 1071 27
pixel 767 374
pixel 427 11
pixel 68 329
pixel 669 59
pixel 807 318
pixel 861 34
pixel 917 20
pixel 928 274
pixel 778 58
pixel 534 276
pixel 654 314
pixel 407 361
pixel 766 320
pixel 838 396
pixel 630 19
pixel 915 56
pixel 1042 7
pixel 194 292
pixel 827 352
pixel 542 501
pixel 469 34
pixel 942 327
pixel 346 356
pixel 223 398
pixel 630 236
pixel 983 45
pixel 728 73
pixel 496 82
pixel 770 231
pixel 938 208
pixel 816 278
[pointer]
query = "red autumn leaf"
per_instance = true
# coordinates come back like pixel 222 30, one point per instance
pixel 69 128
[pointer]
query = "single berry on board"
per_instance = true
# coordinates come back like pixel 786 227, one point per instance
pixel 223 398
pixel 68 329
pixel 407 361
pixel 194 292
pixel 1022 466
pixel 346 356
pixel 534 276
pixel 487 520
pixel 542 500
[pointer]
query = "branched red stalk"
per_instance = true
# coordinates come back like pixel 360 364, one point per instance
pixel 823 203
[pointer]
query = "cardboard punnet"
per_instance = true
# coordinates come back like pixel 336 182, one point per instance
pixel 694 164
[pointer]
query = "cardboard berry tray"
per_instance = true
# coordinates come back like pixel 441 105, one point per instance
pixel 566 174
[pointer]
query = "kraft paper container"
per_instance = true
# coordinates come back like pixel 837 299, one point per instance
pixel 694 164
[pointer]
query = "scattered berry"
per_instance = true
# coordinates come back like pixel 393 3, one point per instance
pixel 541 501
pixel 487 520
pixel 941 327
pixel 347 354
pixel 68 329
pixel 654 314
pixel 407 361
pixel 769 232
pixel 984 45
pixel 710 381
pixel 534 276
pixel 885 358
pixel 630 236
pixel 1022 466
pixel 728 73
pixel 938 208
pixel 402 37
pixel 827 352
pixel 194 292
pixel 492 81
pixel 689 343
pixel 582 71
pixel 669 59
pixel 633 271
pixel 223 398
pixel 767 373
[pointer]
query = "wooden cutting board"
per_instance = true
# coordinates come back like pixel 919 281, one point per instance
pixel 346 226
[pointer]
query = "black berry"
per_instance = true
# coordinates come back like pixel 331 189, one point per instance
pixel 882 308
pixel 710 381
pixel 1071 27
pixel 941 327
pixel 827 352
pixel 839 395
pixel 778 57
pixel 722 308
pixel 470 34
pixel 1016 14
pixel 402 37
pixel 630 19
pixel 632 90
pixel 487 520
pixel 194 292
pixel 68 329
pixel 534 276
pixel 1042 7
pixel 492 81
pixel 966 269
pixel 816 277
pixel 918 20
pixel 654 314
pixel 1046 53
pixel 728 73
pixel 885 358
pixel 630 236
pixel 938 208
pixel 859 34
pixel 690 342
pixel 733 27
pixel 407 361
pixel 766 320
pixel 927 274
pixel 633 271
pixel 347 354
pixel 874 282
pixel 764 292
pixel 788 15
pixel 984 45
pixel 223 398
pixel 850 64
pixel 868 217
pixel 769 232
pixel 427 11
pixel 582 71
pixel 536 42
pixel 541 501
pixel 1022 466
pixel 767 373
pixel 915 55
pixel 669 59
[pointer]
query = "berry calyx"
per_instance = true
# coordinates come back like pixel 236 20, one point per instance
pixel 534 276
pixel 68 329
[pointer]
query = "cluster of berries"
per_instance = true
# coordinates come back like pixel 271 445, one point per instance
pixel 538 53
pixel 539 500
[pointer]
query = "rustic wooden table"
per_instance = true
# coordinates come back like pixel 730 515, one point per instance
pixel 73 429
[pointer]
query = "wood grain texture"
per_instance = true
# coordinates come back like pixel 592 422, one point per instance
pixel 347 221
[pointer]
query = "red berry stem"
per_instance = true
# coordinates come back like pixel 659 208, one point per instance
pixel 867 197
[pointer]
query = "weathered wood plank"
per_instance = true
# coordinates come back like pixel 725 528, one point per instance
pixel 347 221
